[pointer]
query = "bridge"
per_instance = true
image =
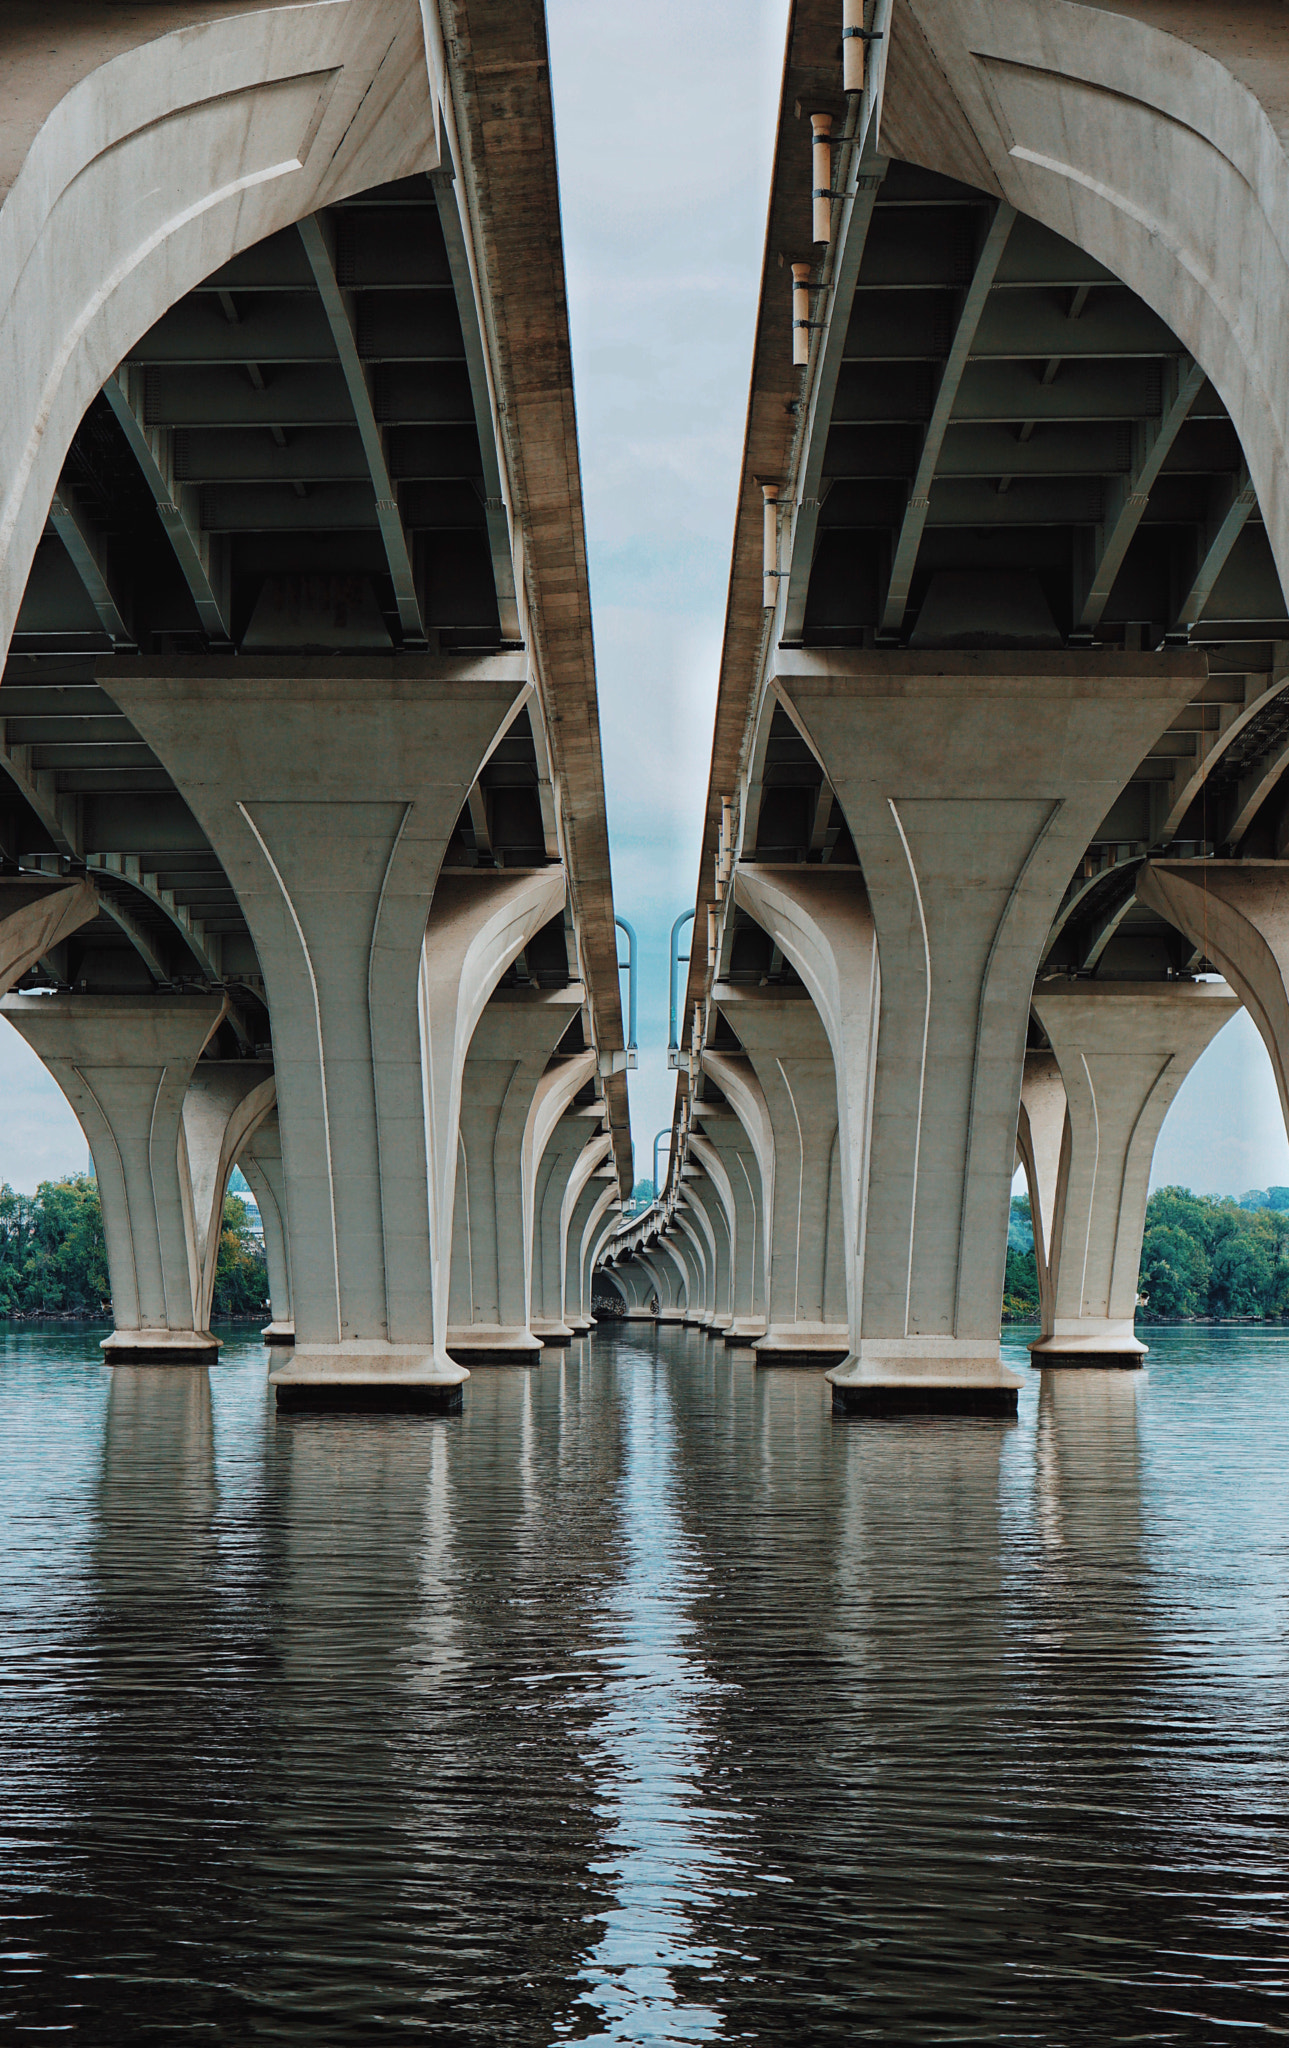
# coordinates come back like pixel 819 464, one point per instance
pixel 997 822
pixel 304 854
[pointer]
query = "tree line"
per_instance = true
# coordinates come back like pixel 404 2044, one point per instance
pixel 1201 1256
pixel 53 1259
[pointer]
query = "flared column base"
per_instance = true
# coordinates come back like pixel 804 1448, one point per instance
pixel 552 1334
pixel 745 1330
pixel 918 1376
pixel 495 1344
pixel 802 1344
pixel 278 1333
pixel 160 1347
pixel 1089 1340
pixel 362 1374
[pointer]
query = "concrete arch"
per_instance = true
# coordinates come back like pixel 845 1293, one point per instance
pixel 159 165
pixel 1150 137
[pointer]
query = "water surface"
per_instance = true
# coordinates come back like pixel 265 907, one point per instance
pixel 644 1702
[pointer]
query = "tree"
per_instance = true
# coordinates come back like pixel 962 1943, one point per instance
pixel 241 1275
pixel 1020 1288
pixel 1173 1281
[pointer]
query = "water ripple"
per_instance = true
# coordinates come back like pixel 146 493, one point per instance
pixel 644 1702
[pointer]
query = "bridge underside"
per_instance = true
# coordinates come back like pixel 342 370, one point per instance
pixel 1005 665
pixel 300 796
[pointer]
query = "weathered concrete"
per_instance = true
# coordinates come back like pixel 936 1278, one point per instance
pixel 784 1039
pixel 971 784
pixel 583 1198
pixel 685 1240
pixel 491 1286
pixel 1124 1050
pixel 670 1278
pixel 226 1102
pixel 330 789
pixel 555 1139
pixel 723 1140
pixel 1039 1133
pixel 709 1194
pixel 125 1064
pixel 586 1245
pixel 821 921
pixel 260 1159
pixel 36 916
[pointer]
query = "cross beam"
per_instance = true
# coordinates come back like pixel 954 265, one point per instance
pixel 1130 495
pixel 202 558
pixel 494 502
pixel 919 504
pixel 1241 500
pixel 319 248
pixel 85 549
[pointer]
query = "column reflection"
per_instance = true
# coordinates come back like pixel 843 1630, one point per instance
pixel 661 1855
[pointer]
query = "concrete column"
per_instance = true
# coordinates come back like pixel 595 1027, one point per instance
pixel 554 1140
pixel 329 789
pixel 124 1062
pixel 1236 914
pixel 783 1036
pixel 35 917
pixel 709 1193
pixel 685 1240
pixel 586 1187
pixel 261 1161
pixel 600 1234
pixel 971 784
pixel 637 1284
pixel 669 1279
pixel 821 921
pixel 1040 1130
pixel 596 1231
pixel 491 1288
pixel 692 1216
pixel 477 927
pixel 724 1137
pixel 226 1102
pixel 1124 1050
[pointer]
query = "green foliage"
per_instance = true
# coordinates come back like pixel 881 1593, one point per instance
pixel 241 1276
pixel 1205 1255
pixel 642 1194
pixel 1020 1288
pixel 53 1260
pixel 1173 1280
pixel 1020 1225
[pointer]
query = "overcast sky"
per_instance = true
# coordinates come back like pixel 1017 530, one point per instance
pixel 664 173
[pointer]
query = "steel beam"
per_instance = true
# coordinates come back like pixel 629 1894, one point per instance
pixel 1240 501
pixel 1130 495
pixel 125 868
pixel 85 550
pixel 919 504
pixel 319 247
pixel 849 241
pixel 203 562
pixel 494 494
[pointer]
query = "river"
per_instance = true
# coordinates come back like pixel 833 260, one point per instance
pixel 644 1702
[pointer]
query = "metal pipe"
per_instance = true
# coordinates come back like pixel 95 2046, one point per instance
pixel 821 196
pixel 800 315
pixel 673 1042
pixel 854 45
pixel 630 964
pixel 770 547
pixel 657 1191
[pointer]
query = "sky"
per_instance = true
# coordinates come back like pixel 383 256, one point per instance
pixel 664 176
